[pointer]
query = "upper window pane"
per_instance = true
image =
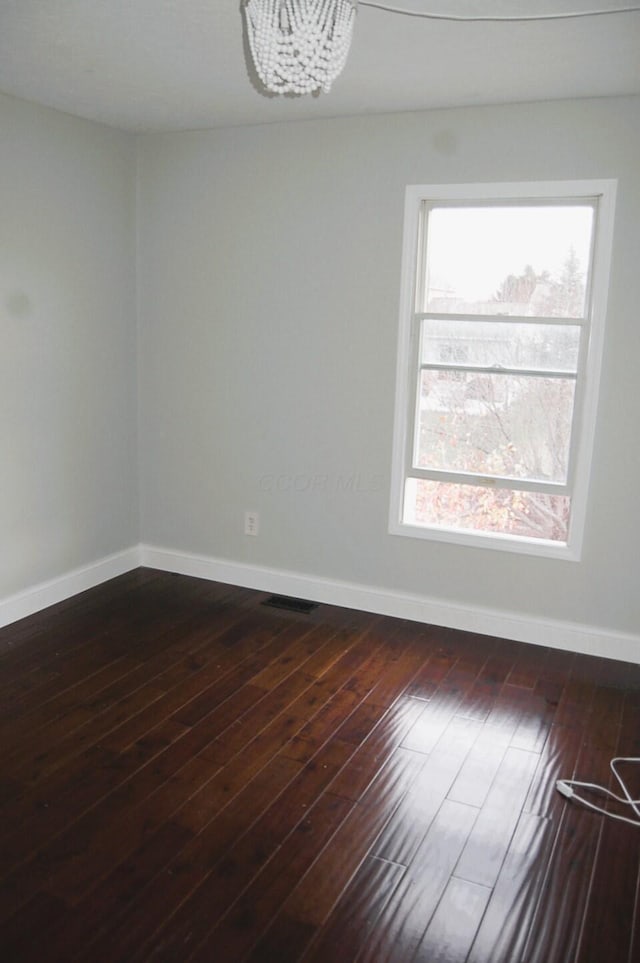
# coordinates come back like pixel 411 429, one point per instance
pixel 527 261
pixel 500 344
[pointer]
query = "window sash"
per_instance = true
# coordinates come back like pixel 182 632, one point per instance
pixel 411 470
pixel 493 480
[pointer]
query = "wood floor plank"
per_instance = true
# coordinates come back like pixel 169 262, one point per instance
pixel 427 679
pixel 93 918
pixel 22 936
pixel 142 672
pixel 112 624
pixel 611 916
pixel 557 761
pixel 574 707
pixel 480 699
pixel 37 633
pixel 482 857
pixel 46 755
pixel 402 924
pixel 349 926
pixel 113 831
pixel 434 721
pixel 252 912
pixel 538 713
pixel 397 676
pixel 453 926
pixel 313 898
pixel 250 851
pixel 529 664
pixel 505 926
pixel 376 749
pixel 57 686
pixel 95 721
pixel 134 778
pixel 412 819
pixel 323 725
pixel 165 893
pixel 241 762
pixel 303 644
pixel 606 717
pixel 508 709
pixel 478 771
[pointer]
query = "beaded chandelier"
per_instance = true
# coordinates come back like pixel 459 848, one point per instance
pixel 299 46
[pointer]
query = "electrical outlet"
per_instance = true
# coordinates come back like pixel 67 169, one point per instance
pixel 251 523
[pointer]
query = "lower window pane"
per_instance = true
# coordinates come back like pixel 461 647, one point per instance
pixel 474 508
pixel 493 424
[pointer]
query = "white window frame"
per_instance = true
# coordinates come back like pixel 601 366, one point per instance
pixel 603 192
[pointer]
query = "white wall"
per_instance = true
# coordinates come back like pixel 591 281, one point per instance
pixel 269 268
pixel 68 475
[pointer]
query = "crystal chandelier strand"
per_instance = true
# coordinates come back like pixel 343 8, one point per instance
pixel 299 46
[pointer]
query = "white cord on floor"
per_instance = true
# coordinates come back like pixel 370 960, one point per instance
pixel 565 787
pixel 497 19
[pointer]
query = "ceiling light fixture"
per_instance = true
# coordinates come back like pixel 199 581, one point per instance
pixel 300 46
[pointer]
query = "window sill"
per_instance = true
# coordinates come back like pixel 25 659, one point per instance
pixel 519 545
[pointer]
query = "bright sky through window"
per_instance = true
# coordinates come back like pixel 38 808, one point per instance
pixel 471 250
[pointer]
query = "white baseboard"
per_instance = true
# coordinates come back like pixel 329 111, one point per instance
pixel 557 634
pixel 56 590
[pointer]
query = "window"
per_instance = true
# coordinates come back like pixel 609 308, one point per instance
pixel 502 314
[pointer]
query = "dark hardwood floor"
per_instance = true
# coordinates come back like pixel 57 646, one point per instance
pixel 187 775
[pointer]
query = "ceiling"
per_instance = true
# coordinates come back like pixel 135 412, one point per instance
pixel 161 65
